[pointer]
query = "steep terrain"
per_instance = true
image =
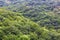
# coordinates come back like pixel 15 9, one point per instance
pixel 44 12
pixel 29 19
pixel 13 26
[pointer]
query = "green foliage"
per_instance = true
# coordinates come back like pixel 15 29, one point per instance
pixel 13 26
pixel 39 14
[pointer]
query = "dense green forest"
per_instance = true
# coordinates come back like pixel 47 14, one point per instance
pixel 42 15
pixel 13 26
pixel 29 20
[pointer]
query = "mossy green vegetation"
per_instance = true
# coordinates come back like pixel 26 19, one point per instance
pixel 14 26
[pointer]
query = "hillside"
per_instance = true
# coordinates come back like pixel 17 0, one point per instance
pixel 44 12
pixel 13 26
pixel 44 16
pixel 29 19
pixel 32 3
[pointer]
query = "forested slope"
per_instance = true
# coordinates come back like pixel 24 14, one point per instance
pixel 44 12
pixel 29 20
pixel 40 15
pixel 13 26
